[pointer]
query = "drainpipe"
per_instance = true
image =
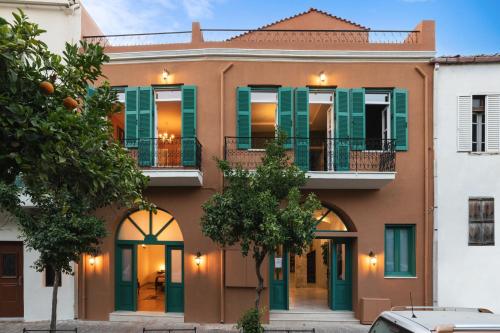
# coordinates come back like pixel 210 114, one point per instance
pixel 427 209
pixel 221 152
pixel 435 265
pixel 75 290
pixel 84 292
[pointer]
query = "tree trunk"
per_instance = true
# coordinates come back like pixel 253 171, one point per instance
pixel 53 317
pixel 259 258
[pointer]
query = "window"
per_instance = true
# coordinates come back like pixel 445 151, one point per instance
pixel 481 221
pixel 400 250
pixel 377 120
pixel 50 277
pixel 264 106
pixel 478 124
pixel 383 325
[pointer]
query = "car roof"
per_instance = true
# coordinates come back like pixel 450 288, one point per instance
pixel 430 320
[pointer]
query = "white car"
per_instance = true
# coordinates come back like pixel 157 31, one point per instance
pixel 435 319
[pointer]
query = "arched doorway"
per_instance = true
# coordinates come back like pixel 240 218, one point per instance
pixel 321 278
pixel 149 263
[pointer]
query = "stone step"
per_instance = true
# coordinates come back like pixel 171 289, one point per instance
pixel 286 317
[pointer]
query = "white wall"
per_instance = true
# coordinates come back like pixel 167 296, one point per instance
pixel 37 297
pixel 62 24
pixel 465 275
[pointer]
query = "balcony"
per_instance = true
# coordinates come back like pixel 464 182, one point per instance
pixel 330 163
pixel 168 162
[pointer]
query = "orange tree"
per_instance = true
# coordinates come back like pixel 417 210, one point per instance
pixel 58 140
pixel 261 210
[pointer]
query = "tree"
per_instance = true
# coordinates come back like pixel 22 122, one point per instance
pixel 262 210
pixel 59 141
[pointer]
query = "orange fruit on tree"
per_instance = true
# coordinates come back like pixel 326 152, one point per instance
pixel 46 87
pixel 70 103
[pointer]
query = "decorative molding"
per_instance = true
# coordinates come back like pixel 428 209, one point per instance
pixel 229 54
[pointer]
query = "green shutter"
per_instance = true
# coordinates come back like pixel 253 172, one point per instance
pixel 131 111
pixel 357 116
pixel 90 91
pixel 302 128
pixel 243 117
pixel 285 114
pixel 188 125
pixel 399 117
pixel 394 266
pixel 342 130
pixel 146 121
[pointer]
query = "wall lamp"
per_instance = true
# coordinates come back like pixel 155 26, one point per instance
pixel 322 76
pixel 372 258
pixel 165 74
pixel 92 261
pixel 197 259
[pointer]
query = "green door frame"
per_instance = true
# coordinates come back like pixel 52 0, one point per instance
pixel 340 291
pixel 278 289
pixel 119 244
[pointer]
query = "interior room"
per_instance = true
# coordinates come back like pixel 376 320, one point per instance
pixel 168 127
pixel 151 278
pixel 309 278
pixel 118 118
pixel 377 120
pixel 264 108
pixel 320 128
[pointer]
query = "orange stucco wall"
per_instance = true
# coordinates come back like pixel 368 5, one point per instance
pixel 402 201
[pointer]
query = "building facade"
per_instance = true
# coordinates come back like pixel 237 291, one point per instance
pixel 467 190
pixel 357 107
pixel 25 293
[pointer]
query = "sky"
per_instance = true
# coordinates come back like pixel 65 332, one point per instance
pixel 462 26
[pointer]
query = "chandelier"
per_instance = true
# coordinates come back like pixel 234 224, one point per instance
pixel 165 137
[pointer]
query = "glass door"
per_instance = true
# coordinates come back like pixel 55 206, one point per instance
pixel 174 291
pixel 340 275
pixel 126 278
pixel 278 279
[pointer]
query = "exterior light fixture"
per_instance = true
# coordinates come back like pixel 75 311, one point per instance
pixel 162 267
pixel 143 246
pixel 322 76
pixel 197 259
pixel 165 74
pixel 92 260
pixel 373 258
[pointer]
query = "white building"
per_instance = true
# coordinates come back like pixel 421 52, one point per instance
pixel 25 293
pixel 467 181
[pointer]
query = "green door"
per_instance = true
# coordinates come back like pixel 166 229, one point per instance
pixel 340 275
pixel 278 279
pixel 126 278
pixel 174 291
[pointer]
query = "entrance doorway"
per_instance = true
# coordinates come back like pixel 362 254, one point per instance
pixel 11 279
pixel 321 278
pixel 149 263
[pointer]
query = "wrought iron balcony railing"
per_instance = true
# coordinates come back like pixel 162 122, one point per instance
pixel 165 153
pixel 262 36
pixel 318 154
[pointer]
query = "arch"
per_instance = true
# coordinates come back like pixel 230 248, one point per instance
pixel 149 227
pixel 332 218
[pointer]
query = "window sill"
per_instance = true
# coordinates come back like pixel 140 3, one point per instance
pixel 399 277
pixel 479 153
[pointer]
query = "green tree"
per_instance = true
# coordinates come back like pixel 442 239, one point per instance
pixel 262 210
pixel 58 139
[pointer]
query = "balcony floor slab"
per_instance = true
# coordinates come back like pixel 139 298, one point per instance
pixel 348 180
pixel 174 177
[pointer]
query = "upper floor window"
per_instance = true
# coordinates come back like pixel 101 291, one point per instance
pixel 478 123
pixel 264 108
pixel 481 221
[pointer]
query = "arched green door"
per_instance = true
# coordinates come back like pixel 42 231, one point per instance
pixel 148 228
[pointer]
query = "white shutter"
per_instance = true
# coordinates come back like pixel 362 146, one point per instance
pixel 493 123
pixel 464 125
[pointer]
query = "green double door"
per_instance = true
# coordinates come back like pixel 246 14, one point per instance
pixel 339 281
pixel 126 282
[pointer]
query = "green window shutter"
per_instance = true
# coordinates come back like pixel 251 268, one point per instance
pixel 90 91
pixel 342 130
pixel 302 128
pixel 357 116
pixel 399 117
pixel 243 118
pixel 131 112
pixel 188 125
pixel 285 114
pixel 145 127
pixel 399 256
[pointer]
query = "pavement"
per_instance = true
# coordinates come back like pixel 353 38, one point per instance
pixel 137 327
